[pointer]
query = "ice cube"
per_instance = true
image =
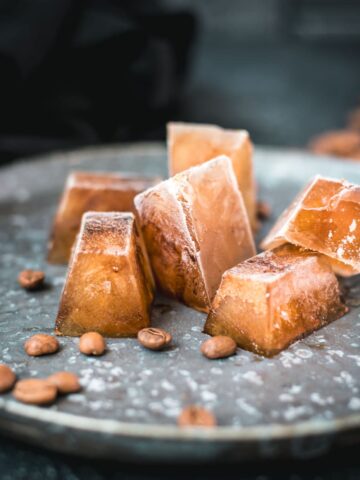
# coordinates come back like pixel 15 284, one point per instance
pixel 324 217
pixel 195 227
pixel 275 298
pixel 95 191
pixel 191 144
pixel 109 286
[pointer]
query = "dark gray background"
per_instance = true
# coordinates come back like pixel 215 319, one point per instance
pixel 284 70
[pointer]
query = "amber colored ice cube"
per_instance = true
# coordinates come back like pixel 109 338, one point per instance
pixel 275 298
pixel 95 191
pixel 324 217
pixel 191 144
pixel 109 286
pixel 195 227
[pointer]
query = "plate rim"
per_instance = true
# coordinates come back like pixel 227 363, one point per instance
pixel 271 431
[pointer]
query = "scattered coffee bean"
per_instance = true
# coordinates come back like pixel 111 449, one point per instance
pixel 92 343
pixel 342 143
pixel 35 391
pixel 7 378
pixel 154 338
pixel 41 344
pixel 354 120
pixel 31 279
pixel 65 382
pixel 263 210
pixel 195 416
pixel 218 347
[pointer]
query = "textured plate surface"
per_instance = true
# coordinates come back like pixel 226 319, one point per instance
pixel 300 403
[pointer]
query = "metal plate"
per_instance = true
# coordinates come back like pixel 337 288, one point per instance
pixel 300 403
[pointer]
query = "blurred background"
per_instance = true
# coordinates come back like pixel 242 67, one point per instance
pixel 77 72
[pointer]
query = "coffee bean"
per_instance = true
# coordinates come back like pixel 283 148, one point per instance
pixel 35 391
pixel 7 378
pixel 218 347
pixel 341 143
pixel 92 343
pixel 263 210
pixel 65 382
pixel 41 344
pixel 195 416
pixel 154 338
pixel 31 279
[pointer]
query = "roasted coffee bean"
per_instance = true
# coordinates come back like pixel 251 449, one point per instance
pixel 218 347
pixel 35 391
pixel 341 143
pixel 31 279
pixel 65 382
pixel 195 416
pixel 92 343
pixel 263 210
pixel 7 378
pixel 354 120
pixel 154 338
pixel 41 344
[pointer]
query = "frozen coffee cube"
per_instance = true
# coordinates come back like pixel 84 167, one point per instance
pixel 191 144
pixel 109 286
pixel 324 217
pixel 195 227
pixel 275 298
pixel 85 191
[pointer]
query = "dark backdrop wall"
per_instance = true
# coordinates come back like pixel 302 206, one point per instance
pixel 285 70
pixel 79 72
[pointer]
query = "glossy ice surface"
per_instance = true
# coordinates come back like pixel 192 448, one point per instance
pixel 275 298
pixel 85 191
pixel 109 287
pixel 324 217
pixel 195 227
pixel 191 144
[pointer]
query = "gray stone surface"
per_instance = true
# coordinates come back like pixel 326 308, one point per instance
pixel 131 397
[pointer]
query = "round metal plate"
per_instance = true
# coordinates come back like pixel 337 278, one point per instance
pixel 300 403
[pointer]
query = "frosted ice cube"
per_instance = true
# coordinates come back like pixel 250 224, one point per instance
pixel 324 217
pixel 191 144
pixel 95 191
pixel 109 286
pixel 195 227
pixel 275 298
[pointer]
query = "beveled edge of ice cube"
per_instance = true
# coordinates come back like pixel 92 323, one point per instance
pixel 115 250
